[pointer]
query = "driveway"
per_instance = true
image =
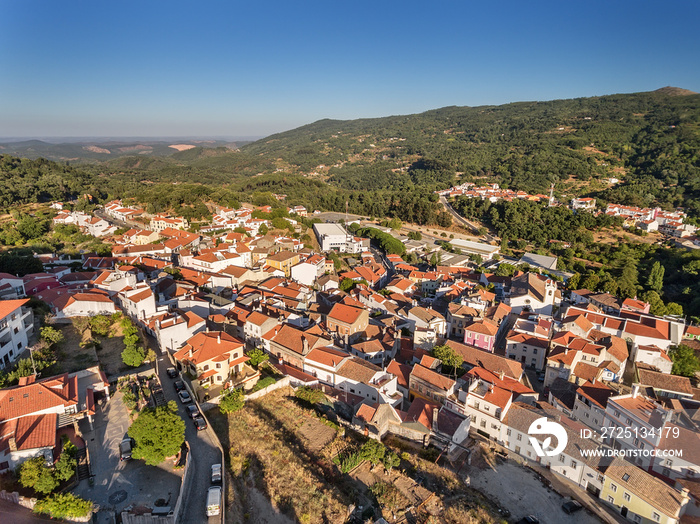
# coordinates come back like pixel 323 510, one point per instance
pixel 517 489
pixel 204 451
pixel 121 484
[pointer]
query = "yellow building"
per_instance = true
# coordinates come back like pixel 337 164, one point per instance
pixel 641 497
pixel 284 260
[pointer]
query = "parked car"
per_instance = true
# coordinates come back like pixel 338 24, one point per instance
pixel 125 447
pixel 184 397
pixel 179 385
pixel 216 474
pixel 540 376
pixel 530 519
pixel 213 501
pixel 571 506
pixel 192 411
pixel 172 372
pixel 200 423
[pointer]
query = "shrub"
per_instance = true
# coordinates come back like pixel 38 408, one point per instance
pixel 262 384
pixel 232 401
pixel 310 395
pixel 63 506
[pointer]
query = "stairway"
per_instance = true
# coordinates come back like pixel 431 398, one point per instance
pixel 83 464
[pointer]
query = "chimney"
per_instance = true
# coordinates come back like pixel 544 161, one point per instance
pixel 501 374
pixel 566 350
pixel 304 344
pixel 435 418
pixel 635 390
pixel 218 338
pixel 593 380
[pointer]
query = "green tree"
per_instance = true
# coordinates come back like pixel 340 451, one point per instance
pixel 685 363
pixel 158 433
pixel 263 229
pixel 133 356
pixel 391 460
pixel 232 401
pixel 310 395
pixel 51 335
pixel 655 281
pixel 66 465
pixel 34 474
pixel 100 325
pixel 448 356
pixel 374 451
pixel 257 357
pixel 63 506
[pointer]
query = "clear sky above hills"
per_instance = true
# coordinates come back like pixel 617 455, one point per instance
pixel 218 68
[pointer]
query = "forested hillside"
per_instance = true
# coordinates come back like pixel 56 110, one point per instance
pixel 648 140
pixel 390 166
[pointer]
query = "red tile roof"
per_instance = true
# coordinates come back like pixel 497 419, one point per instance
pixel 345 314
pixel 7 307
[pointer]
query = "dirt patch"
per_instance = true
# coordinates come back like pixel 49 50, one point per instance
pixel 109 352
pixel 75 352
pixel 182 147
pixel 316 435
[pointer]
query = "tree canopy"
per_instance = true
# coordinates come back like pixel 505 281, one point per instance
pixel 158 433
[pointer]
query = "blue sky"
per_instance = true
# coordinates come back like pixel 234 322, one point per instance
pixel 228 68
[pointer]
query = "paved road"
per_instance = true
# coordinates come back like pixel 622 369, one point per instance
pixel 119 484
pixel 464 221
pixel 204 451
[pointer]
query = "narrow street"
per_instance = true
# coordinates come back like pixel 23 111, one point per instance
pixel 204 452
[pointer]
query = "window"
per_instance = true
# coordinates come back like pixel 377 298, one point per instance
pixel 656 516
pixel 561 458
pixel 573 464
pixel 610 499
pixel 519 438
pixel 476 405
pixel 517 449
pixel 626 477
pixel 206 367
pixel 613 487
pixel 483 424
pixel 626 496
pixel 508 432
pixel 218 365
pixel 636 518
pixel 617 413
pixel 534 351
pixel 666 472
pixel 628 421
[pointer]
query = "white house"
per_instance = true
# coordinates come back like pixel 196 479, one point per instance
pixel 16 325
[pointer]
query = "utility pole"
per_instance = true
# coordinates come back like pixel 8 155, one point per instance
pixel 551 195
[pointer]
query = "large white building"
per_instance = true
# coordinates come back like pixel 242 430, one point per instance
pixel 334 237
pixel 16 324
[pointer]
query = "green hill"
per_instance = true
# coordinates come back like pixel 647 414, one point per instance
pixel 649 140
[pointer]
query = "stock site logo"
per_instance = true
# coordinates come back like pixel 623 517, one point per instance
pixel 542 426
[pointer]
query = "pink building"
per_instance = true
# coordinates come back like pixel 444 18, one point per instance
pixel 481 334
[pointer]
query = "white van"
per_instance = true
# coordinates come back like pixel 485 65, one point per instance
pixel 214 501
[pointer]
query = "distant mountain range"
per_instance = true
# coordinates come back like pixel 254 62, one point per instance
pixel 89 150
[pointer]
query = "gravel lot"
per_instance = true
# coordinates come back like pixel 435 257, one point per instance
pixel 518 489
